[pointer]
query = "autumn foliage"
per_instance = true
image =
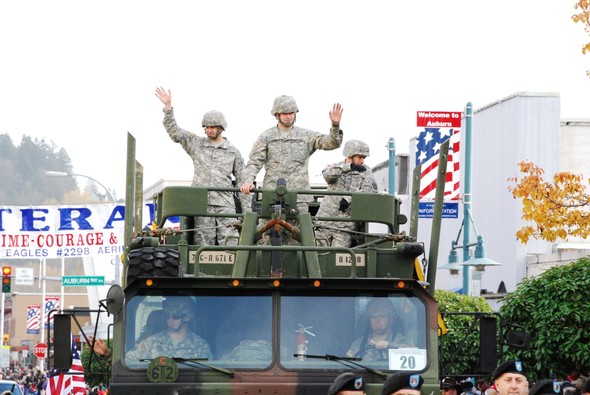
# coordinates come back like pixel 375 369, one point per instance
pixel 583 17
pixel 555 210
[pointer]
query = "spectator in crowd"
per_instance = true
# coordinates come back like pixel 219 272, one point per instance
pixel 546 387
pixel 403 383
pixel 348 384
pixel 510 378
pixel 450 386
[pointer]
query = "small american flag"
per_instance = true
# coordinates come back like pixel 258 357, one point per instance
pixel 427 152
pixel 33 317
pixel 51 303
pixel 71 383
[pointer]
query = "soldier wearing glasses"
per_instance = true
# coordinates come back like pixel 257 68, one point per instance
pixel 177 340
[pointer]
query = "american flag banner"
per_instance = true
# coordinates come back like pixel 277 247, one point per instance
pixel 51 303
pixel 436 128
pixel 33 319
pixel 71 383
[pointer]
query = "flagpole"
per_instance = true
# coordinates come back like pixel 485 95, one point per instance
pixel 2 320
pixel 43 285
pixel 467 198
pixel 63 273
pixel 391 148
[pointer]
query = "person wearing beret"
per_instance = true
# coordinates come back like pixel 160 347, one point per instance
pixel 348 384
pixel 403 383
pixel 547 387
pixel 510 378
pixel 450 386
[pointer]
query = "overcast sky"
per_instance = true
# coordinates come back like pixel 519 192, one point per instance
pixel 82 74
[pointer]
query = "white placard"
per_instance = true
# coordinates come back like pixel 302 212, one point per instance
pixel 407 359
pixel 24 276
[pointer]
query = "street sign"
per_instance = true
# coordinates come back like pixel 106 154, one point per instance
pixel 40 350
pixel 24 276
pixel 82 281
pixel 5 357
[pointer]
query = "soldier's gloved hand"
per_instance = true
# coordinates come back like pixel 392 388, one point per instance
pixel 344 205
pixel 359 168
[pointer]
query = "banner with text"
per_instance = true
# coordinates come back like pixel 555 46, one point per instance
pixel 66 231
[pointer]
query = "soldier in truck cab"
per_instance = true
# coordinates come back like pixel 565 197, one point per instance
pixel 178 339
pixel 381 332
pixel 215 162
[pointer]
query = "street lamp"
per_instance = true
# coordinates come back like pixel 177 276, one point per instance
pixel 111 198
pixel 51 173
pixel 480 261
pixel 453 266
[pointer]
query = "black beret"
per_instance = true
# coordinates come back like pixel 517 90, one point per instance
pixel 509 367
pixel 347 382
pixel 547 387
pixel 402 380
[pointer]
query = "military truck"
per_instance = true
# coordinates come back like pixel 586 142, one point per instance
pixel 276 313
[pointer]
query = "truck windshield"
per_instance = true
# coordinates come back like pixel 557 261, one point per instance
pixel 387 332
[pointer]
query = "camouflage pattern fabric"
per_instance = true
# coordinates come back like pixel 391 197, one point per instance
pixel 340 177
pixel 161 344
pixel 250 350
pixel 361 348
pixel 214 165
pixel 208 228
pixel 287 156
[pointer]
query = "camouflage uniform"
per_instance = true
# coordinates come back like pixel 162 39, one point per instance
pixel 340 177
pixel 214 166
pixel 370 353
pixel 161 344
pixel 364 348
pixel 286 155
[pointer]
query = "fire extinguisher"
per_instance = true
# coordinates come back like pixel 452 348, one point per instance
pixel 301 340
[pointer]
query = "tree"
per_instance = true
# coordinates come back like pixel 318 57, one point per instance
pixel 558 210
pixel 553 307
pixel 22 172
pixel 458 337
pixel 100 369
pixel 583 17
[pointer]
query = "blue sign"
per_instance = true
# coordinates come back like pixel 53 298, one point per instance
pixel 449 210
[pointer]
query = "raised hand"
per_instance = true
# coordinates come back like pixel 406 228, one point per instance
pixel 165 97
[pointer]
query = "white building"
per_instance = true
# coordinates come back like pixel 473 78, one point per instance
pixel 523 126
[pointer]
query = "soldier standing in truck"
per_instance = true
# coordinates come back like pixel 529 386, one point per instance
pixel 215 162
pixel 350 175
pixel 284 149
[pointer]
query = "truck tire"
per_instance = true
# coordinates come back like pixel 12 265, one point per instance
pixel 153 262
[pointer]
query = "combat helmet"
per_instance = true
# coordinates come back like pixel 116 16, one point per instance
pixel 284 105
pixel 178 305
pixel 355 147
pixel 214 118
pixel 380 306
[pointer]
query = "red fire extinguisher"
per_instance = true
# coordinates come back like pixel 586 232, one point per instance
pixel 301 340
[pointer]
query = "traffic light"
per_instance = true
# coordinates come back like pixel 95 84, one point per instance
pixel 6 273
